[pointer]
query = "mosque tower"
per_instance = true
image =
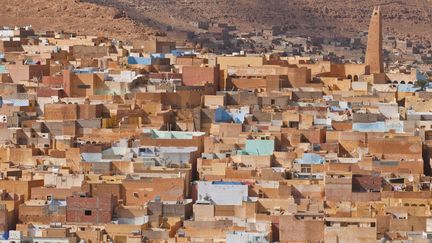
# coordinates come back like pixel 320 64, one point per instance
pixel 374 56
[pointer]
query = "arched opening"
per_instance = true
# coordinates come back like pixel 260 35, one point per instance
pixel 349 77
pixel 395 82
pixel 402 82
pixel 410 82
pixel 356 78
pixel 389 82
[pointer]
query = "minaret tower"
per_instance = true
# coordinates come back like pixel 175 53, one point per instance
pixel 374 45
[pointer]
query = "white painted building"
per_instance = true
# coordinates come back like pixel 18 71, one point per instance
pixel 222 192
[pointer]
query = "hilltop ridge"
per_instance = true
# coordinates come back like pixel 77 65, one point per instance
pixel 134 19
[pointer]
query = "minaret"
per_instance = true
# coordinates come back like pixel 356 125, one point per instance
pixel 374 45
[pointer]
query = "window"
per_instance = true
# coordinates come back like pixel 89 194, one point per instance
pixel 293 124
pixel 136 195
pixel 260 193
pixel 306 169
pixel 84 86
pixel 87 212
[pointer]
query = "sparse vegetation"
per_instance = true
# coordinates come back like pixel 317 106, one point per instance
pixel 137 18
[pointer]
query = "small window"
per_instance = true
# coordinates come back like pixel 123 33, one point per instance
pixel 306 169
pixel 136 195
pixel 84 86
pixel 87 212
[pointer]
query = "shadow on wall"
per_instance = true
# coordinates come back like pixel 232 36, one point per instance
pixel 426 160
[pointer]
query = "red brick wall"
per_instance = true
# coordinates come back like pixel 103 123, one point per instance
pixel 101 189
pixel 101 209
pixel 67 82
pixel 86 111
pixel 140 192
pixel 61 111
pixel 41 193
pixel 48 92
pixel 247 83
pixel 294 230
pixel 4 225
pixel 190 61
pixel 200 75
pixel 52 81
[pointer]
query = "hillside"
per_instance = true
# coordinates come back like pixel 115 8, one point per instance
pixel 137 18
pixel 70 15
pixel 302 17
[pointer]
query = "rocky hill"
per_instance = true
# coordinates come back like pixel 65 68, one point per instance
pixel 138 18
pixel 70 15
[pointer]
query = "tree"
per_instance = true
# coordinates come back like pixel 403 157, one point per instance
pixel 422 84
